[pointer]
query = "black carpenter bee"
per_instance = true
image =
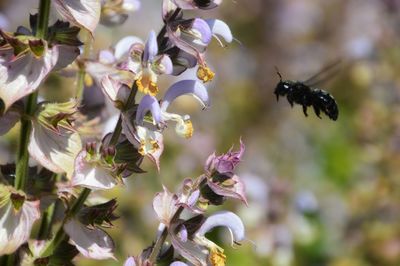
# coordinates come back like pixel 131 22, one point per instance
pixel 304 94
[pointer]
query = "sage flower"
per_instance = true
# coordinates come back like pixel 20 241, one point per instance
pixel 146 65
pixel 17 216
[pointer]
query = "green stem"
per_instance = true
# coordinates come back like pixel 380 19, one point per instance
pixel 81 73
pixel 60 235
pixel 26 126
pixel 160 241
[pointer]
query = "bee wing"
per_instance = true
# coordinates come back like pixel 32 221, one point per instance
pixel 324 74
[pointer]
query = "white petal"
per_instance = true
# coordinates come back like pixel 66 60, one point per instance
pixel 53 151
pixel 124 45
pixel 85 13
pixel 91 175
pixel 220 28
pixel 91 243
pixel 24 74
pixel 15 227
pixel 165 205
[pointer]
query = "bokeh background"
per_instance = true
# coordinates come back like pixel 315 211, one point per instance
pixel 320 192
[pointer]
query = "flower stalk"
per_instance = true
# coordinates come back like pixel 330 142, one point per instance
pixel 26 126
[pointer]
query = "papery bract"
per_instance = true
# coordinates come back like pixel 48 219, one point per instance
pixel 165 205
pixel 91 174
pixel 85 13
pixel 21 75
pixel 15 220
pixel 54 151
pixel 92 243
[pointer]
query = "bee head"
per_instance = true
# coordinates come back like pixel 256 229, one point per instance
pixel 283 87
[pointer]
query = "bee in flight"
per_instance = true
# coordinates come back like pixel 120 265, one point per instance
pixel 304 94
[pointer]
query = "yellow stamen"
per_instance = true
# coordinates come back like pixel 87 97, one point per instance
pixel 184 128
pixel 88 80
pixel 217 257
pixel 146 86
pixel 205 74
pixel 145 149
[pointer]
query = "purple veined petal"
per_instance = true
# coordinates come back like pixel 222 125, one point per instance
pixel 150 48
pixel 115 90
pixel 130 261
pixel 220 28
pixel 106 57
pixel 183 87
pixel 91 243
pixel 178 263
pixel 124 45
pixel 201 27
pixel 163 65
pixel 85 13
pixel 148 103
pixel 227 219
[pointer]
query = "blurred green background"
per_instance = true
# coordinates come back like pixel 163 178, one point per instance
pixel 320 192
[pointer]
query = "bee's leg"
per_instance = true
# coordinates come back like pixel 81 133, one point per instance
pixel 317 111
pixel 290 99
pixel 305 110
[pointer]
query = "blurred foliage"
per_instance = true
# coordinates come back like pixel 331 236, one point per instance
pixel 347 172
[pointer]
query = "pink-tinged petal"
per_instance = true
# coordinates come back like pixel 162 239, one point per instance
pixel 164 204
pixel 183 87
pixel 227 219
pixel 67 55
pixel 163 65
pixel 124 45
pixel 9 119
pixel 22 75
pixel 91 175
pixel 150 48
pixel 148 103
pixel 130 261
pixel 84 13
pixel 191 251
pixel 116 91
pixel 237 190
pixel 54 151
pixel 91 243
pixel 220 28
pixel 178 263
pixel 226 163
pixel 15 226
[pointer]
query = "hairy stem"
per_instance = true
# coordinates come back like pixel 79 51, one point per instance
pixel 26 126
